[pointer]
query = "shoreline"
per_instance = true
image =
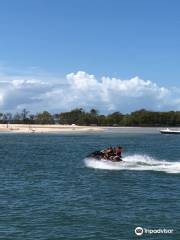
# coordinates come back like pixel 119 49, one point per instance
pixel 39 128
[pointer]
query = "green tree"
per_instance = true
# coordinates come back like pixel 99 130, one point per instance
pixel 114 118
pixel 17 118
pixel 44 118
pixel 94 112
pixel 72 116
pixel 24 116
pixel 1 117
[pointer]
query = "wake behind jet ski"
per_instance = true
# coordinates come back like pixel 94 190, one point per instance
pixel 110 154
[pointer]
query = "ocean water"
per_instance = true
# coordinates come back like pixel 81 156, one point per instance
pixel 50 190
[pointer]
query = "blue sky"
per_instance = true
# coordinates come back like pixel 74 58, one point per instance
pixel 114 38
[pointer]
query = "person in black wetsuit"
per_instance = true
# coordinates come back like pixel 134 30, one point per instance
pixel 118 152
pixel 108 153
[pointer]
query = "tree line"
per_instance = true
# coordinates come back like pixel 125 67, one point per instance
pixel 79 116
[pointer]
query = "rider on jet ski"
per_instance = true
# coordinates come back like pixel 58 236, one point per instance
pixel 112 154
pixel 118 151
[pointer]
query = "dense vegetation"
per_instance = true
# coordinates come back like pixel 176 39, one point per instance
pixel 80 117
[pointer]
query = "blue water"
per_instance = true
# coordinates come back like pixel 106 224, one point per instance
pixel 49 190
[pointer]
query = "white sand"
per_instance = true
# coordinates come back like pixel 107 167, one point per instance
pixel 29 128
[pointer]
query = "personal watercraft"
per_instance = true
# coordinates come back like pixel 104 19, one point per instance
pixel 101 155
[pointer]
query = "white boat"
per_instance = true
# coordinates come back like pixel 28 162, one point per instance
pixel 169 131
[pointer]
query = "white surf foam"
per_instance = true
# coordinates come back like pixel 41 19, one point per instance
pixel 135 162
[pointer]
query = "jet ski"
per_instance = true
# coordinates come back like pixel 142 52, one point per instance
pixel 102 155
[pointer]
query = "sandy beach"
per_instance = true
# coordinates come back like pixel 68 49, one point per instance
pixel 35 128
pixel 28 128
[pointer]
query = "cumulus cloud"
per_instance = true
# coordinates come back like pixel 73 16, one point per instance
pixel 81 89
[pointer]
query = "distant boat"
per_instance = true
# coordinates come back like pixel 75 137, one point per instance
pixel 169 131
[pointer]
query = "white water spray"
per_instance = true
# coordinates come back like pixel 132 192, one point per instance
pixel 136 163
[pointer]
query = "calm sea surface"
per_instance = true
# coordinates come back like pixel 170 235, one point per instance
pixel 49 190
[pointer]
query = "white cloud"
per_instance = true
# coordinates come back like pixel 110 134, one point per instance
pixel 82 80
pixel 84 90
pixel 23 83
